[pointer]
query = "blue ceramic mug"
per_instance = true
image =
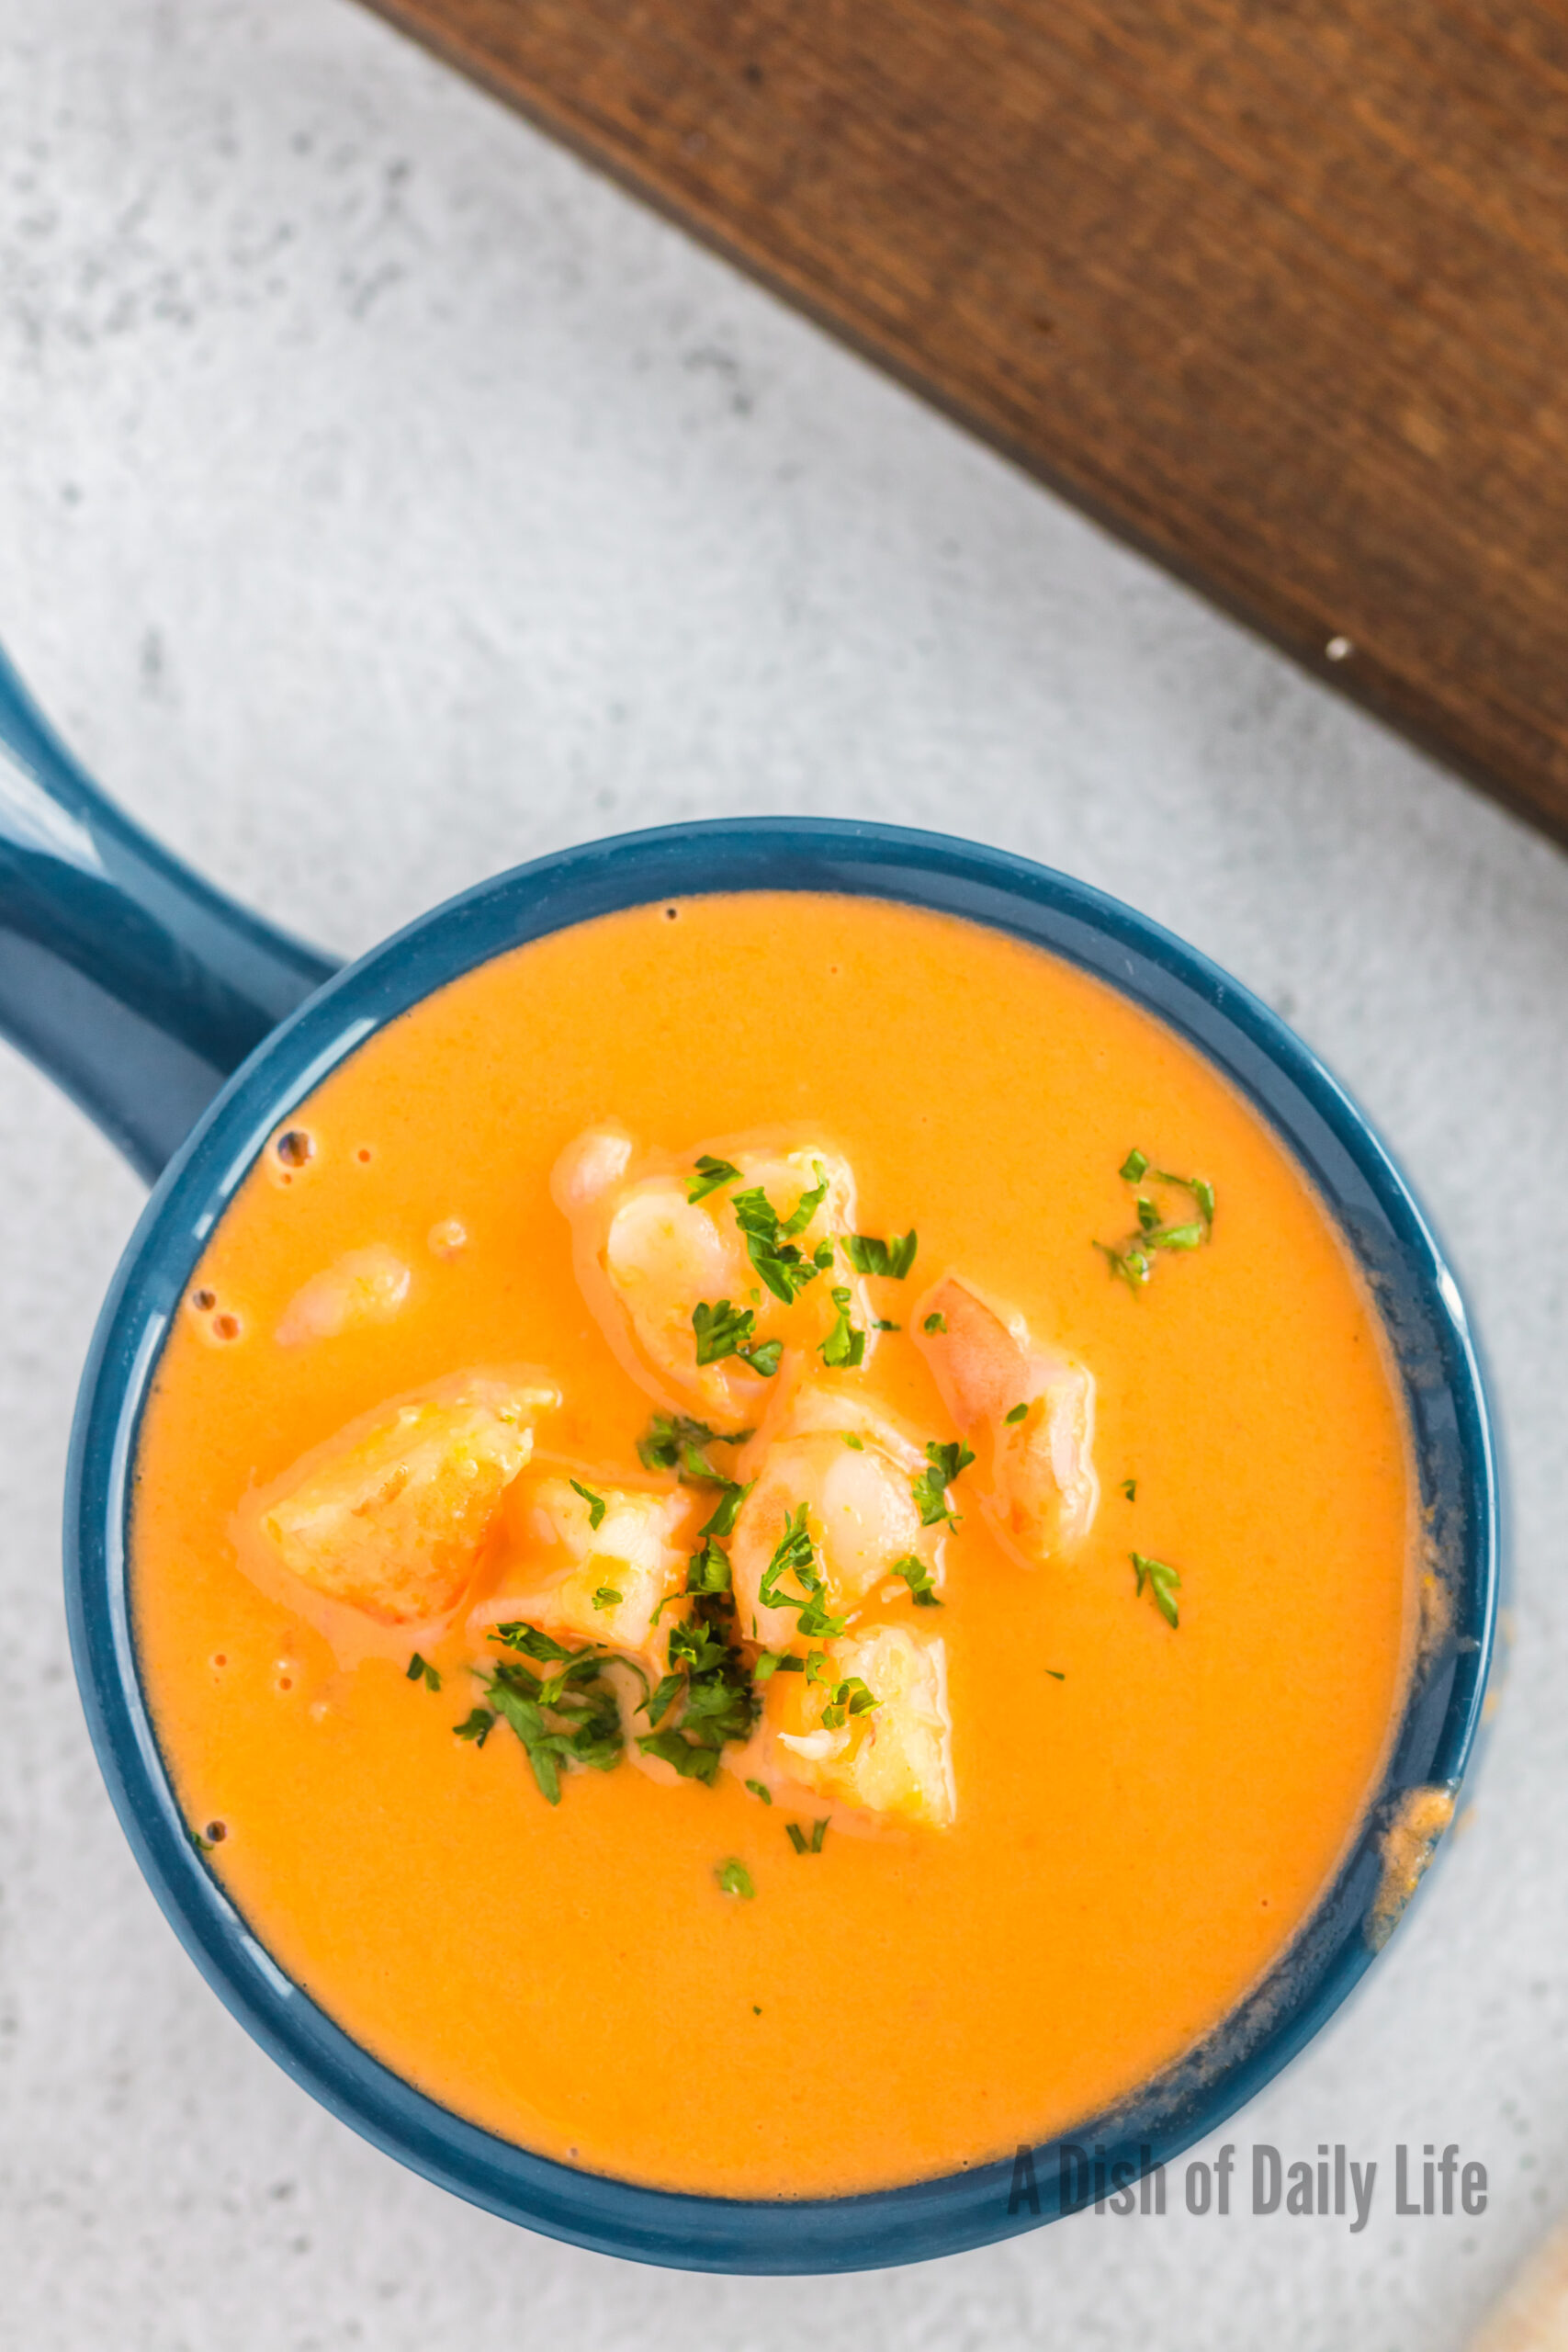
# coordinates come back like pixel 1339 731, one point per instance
pixel 188 1030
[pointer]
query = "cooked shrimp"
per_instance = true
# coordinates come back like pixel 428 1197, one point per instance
pixel 1036 1469
pixel 362 1286
pixel 390 1518
pixel 873 1731
pixel 590 1583
pixel 706 1299
pixel 852 1471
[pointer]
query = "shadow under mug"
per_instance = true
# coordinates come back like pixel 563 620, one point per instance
pixel 189 1029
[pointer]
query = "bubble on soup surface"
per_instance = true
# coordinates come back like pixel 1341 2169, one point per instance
pixel 448 1238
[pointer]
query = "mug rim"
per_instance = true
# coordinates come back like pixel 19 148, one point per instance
pixel 1355 1179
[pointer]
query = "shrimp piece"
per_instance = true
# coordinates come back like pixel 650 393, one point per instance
pixel 362 1286
pixel 671 1281
pixel 1036 1472
pixel 593 1584
pixel 389 1516
pixel 874 1732
pixel 853 1470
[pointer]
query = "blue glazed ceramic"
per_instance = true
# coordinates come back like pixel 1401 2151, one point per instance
pixel 161 1007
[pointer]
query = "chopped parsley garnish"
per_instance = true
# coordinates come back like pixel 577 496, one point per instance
pixel 772 1662
pixel 884 1325
pixel 1130 1488
pixel 571 1716
pixel 845 1344
pixel 931 1487
pixel 725 1331
pixel 853 1697
pixel 1163 1581
pixel 1134 1260
pixel 710 1570
pixel 917 1576
pixel 675 1442
pixel 869 1256
pixel 1056 1674
pixel 203 1845
pixel 421 1670
pixel 723 1521
pixel 855 1444
pixel 597 1506
pixel 764 1795
pixel 720 1330
pixel 711 1174
pixel 934 1323
pixel 770 1242
pixel 734 1878
pixel 798 1839
pixel 477 1725
pixel 607 1597
pixel 796 1555
pixel 1018 1413
pixel 532 1643
pixel 706 1674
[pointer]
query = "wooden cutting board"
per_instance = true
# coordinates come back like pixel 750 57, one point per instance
pixel 1277 289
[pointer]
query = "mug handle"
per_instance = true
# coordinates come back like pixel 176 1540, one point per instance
pixel 127 979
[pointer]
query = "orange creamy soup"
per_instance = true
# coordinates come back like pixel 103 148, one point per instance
pixel 774 1550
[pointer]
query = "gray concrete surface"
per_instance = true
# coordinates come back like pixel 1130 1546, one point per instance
pixel 383 498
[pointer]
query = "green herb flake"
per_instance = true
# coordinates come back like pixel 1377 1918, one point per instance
pixel 891 1259
pixel 932 1485
pixel 917 1576
pixel 855 1444
pixel 1019 1413
pixel 853 1697
pixel 764 1358
pixel 844 1346
pixel 734 1878
pixel 673 1441
pixel 763 1795
pixel 607 1597
pixel 203 1845
pixel 722 1523
pixel 884 1325
pixel 1163 1581
pixel 772 1662
pixel 710 1570
pixel 711 1174
pixel 1134 1260
pixel 597 1506
pixel 421 1670
pixel 1130 1488
pixel 1056 1674
pixel 477 1725
pixel 770 1242
pixel 935 1323
pixel 720 1331
pixel 819 1831
pixel 797 1837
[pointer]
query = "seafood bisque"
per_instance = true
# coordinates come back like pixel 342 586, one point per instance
pixel 774 1550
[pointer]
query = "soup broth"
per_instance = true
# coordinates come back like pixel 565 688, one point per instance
pixel 1065 1835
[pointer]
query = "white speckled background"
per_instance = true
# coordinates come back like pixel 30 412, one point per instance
pixel 384 499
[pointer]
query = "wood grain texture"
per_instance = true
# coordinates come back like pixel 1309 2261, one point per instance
pixel 1277 289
